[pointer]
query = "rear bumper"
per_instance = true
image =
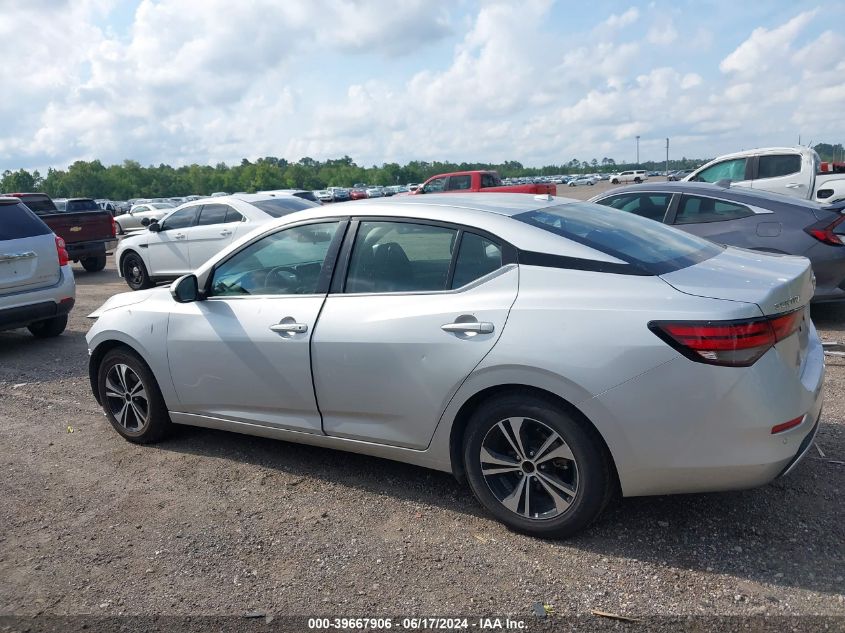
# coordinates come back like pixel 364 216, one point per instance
pixel 96 248
pixel 28 306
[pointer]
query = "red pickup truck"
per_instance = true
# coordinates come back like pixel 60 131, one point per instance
pixel 88 231
pixel 475 181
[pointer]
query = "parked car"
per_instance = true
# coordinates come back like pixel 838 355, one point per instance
pixel 298 193
pixel 454 367
pixel 218 194
pixel 678 175
pixel 582 180
pixel 475 181
pixel 339 194
pixel 358 194
pixel 88 231
pixel 37 290
pixel 324 195
pixel 630 175
pixel 792 171
pixel 190 234
pixel 375 192
pixel 134 220
pixel 756 220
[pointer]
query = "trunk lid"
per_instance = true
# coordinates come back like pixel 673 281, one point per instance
pixel 776 283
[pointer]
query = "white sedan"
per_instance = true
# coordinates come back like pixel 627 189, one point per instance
pixel 134 219
pixel 192 233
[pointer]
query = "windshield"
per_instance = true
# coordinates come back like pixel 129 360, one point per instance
pixel 82 205
pixel 643 243
pixel 277 207
pixel 162 205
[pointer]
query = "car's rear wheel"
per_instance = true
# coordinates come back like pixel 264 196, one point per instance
pixel 130 397
pixel 135 273
pixel 119 228
pixel 536 467
pixel 49 327
pixel 637 180
pixel 93 264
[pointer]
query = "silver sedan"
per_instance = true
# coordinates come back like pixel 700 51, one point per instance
pixel 547 351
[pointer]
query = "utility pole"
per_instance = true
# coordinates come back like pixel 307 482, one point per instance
pixel 667 155
pixel 638 150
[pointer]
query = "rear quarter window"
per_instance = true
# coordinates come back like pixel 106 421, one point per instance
pixel 18 221
pixel 648 246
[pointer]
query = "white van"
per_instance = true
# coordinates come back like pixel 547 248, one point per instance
pixel 632 175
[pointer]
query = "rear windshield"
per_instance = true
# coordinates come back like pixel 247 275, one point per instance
pixel 277 207
pixel 39 203
pixel 17 221
pixel 81 205
pixel 306 195
pixel 650 246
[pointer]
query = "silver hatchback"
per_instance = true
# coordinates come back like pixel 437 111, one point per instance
pixel 550 352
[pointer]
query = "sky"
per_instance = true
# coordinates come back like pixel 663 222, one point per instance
pixel 537 81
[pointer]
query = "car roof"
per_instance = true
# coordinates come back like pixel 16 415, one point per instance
pixel 507 204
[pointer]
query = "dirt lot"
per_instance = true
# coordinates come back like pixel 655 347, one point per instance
pixel 221 524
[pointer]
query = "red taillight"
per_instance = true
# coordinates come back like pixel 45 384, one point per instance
pixel 825 232
pixel 61 251
pixel 779 428
pixel 113 228
pixel 729 343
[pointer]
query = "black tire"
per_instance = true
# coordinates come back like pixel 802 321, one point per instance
pixel 590 472
pixel 48 328
pixel 615 181
pixel 119 228
pixel 135 273
pixel 93 264
pixel 146 419
pixel 637 180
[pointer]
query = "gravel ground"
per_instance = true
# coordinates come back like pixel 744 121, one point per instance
pixel 227 525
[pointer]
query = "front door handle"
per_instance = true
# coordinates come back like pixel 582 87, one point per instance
pixel 793 185
pixel 289 328
pixel 225 233
pixel 476 327
pixel 179 236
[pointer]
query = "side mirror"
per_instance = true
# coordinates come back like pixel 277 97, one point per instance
pixel 153 226
pixel 185 289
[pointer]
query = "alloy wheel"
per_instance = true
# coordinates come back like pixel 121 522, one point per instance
pixel 529 468
pixel 127 398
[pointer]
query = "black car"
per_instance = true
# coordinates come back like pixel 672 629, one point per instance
pixel 756 220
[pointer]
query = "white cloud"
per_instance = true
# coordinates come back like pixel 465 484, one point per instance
pixel 758 53
pixel 621 20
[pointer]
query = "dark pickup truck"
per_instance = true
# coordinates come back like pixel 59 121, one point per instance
pixel 88 230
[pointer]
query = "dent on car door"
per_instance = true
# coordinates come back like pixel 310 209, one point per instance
pixel 244 353
pixel 419 307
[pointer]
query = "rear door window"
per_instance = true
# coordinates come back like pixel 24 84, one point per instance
pixel 400 257
pixel 459 183
pixel 649 247
pixel 18 221
pixel 776 165
pixel 647 205
pixel 700 209
pixel 212 214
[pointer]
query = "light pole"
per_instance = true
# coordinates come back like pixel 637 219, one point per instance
pixel 667 156
pixel 638 150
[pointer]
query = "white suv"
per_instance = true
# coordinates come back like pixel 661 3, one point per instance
pixel 632 175
pixel 37 289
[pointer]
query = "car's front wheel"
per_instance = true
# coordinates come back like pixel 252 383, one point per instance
pixel 615 181
pixel 135 273
pixel 130 397
pixel 536 467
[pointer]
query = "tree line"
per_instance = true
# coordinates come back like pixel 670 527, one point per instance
pixel 132 180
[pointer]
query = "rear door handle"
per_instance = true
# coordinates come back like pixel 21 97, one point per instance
pixel 179 236
pixel 286 328
pixel 225 233
pixel 477 327
pixel 793 185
